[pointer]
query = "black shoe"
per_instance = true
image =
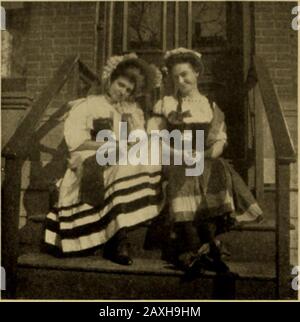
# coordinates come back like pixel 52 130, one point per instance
pixel 121 255
pixel 205 263
pixel 117 249
pixel 122 259
pixel 214 265
pixel 224 252
pixel 186 260
pixel 214 259
pixel 206 259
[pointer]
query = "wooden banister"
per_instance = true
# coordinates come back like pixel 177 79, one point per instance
pixel 284 150
pixel 284 156
pixel 19 143
pixel 17 150
pixel 87 73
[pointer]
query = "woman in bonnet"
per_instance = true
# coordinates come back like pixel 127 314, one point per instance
pixel 98 204
pixel 200 207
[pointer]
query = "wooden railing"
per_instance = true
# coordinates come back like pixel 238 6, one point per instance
pixel 17 151
pixel 284 156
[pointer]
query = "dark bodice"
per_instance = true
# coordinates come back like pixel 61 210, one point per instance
pixel 101 124
pixel 193 127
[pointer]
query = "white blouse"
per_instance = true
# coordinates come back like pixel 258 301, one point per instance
pixel 201 111
pixel 79 122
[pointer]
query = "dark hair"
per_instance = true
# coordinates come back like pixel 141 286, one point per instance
pixel 182 58
pixel 135 70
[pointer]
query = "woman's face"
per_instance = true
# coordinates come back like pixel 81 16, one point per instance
pixel 120 89
pixel 185 77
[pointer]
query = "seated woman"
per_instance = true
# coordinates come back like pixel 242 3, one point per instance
pixel 200 207
pixel 98 204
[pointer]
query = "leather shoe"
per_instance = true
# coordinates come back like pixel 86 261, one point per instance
pixel 121 255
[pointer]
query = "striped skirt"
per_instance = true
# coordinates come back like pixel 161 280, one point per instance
pixel 219 191
pixel 96 202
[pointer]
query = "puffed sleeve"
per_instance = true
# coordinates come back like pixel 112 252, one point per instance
pixel 217 131
pixel 158 108
pixel 138 119
pixel 77 125
pixel 157 121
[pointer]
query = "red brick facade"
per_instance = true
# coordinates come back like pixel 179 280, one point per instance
pixel 276 42
pixel 55 31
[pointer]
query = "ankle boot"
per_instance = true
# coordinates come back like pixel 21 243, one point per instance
pixel 121 255
pixel 214 259
pixel 117 249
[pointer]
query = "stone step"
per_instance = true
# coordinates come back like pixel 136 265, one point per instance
pixel 245 243
pixel 42 276
pixel 264 225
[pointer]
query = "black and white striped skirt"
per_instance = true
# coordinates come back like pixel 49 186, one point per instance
pixel 130 196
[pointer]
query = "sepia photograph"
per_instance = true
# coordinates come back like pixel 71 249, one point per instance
pixel 149 150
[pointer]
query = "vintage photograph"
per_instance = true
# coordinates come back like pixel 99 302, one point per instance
pixel 149 150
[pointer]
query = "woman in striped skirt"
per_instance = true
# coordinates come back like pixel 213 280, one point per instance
pixel 98 204
pixel 200 207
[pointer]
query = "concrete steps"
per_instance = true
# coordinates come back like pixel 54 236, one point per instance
pixel 252 264
pixel 252 242
pixel 42 276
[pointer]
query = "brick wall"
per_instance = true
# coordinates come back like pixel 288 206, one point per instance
pixel 276 42
pixel 55 31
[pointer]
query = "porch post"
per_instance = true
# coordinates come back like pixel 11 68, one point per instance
pixel 10 223
pixel 110 22
pixel 283 269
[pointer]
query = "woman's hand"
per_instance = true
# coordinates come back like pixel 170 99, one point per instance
pixel 215 150
pixel 90 145
pixel 175 117
pixel 74 161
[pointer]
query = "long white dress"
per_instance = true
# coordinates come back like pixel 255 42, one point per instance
pixel 130 194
